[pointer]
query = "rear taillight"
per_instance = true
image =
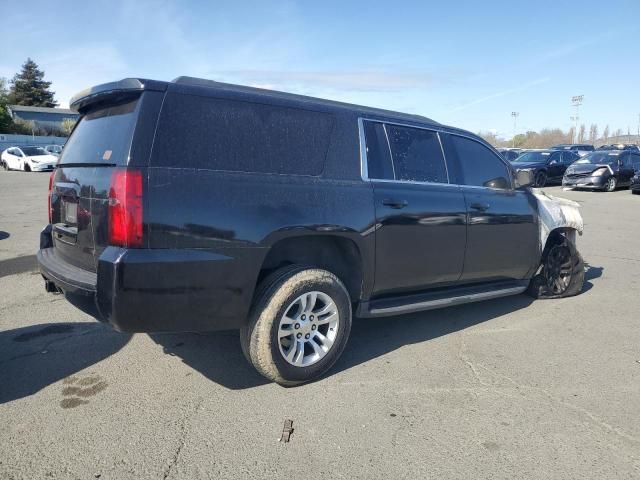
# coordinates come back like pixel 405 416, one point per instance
pixel 125 208
pixel 50 207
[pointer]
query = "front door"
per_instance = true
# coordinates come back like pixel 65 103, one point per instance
pixel 502 232
pixel 420 216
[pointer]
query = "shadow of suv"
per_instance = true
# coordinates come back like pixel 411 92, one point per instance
pixel 194 205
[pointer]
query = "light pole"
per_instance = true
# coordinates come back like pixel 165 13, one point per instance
pixel 515 119
pixel 576 101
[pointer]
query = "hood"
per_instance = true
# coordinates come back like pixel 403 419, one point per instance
pixel 523 165
pixel 43 158
pixel 587 167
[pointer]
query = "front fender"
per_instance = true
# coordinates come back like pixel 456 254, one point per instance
pixel 556 213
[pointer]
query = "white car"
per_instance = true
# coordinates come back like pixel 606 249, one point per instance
pixel 29 159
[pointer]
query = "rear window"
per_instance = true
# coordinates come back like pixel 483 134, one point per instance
pixel 102 136
pixel 221 134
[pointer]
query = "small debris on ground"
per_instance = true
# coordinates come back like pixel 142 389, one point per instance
pixel 287 430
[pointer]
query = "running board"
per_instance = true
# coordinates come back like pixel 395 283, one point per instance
pixel 430 301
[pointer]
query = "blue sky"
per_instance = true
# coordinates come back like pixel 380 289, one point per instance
pixel 464 63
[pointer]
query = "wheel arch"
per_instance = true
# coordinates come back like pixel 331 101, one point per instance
pixel 337 254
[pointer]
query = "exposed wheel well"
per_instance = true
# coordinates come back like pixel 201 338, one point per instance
pixel 557 236
pixel 338 255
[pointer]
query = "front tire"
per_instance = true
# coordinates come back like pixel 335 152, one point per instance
pixel 561 273
pixel 26 167
pixel 541 179
pixel 610 184
pixel 298 326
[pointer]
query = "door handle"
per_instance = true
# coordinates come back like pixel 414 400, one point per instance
pixel 394 203
pixel 480 206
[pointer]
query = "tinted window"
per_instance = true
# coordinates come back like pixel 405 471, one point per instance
pixel 220 134
pixel 102 136
pixel 378 158
pixel 480 166
pixel 33 151
pixel 417 155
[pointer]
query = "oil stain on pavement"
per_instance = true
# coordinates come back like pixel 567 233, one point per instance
pixel 79 388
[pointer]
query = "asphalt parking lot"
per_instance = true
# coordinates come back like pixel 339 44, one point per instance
pixel 509 388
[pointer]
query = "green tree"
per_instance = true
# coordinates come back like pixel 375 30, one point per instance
pixel 5 118
pixel 30 89
pixel 67 126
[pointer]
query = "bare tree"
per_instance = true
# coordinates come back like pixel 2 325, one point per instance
pixel 593 133
pixel 606 134
pixel 582 133
pixel 571 134
pixel 617 134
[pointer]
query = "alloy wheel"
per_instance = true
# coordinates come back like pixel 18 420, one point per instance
pixel 610 186
pixel 308 329
pixel 557 269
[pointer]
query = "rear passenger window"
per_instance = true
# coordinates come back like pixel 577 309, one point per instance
pixel 378 158
pixel 221 134
pixel 417 155
pixel 480 166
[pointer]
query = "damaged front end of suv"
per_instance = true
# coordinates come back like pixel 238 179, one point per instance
pixel 561 270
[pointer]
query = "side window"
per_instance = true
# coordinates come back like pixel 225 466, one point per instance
pixel 635 161
pixel 240 136
pixel 417 155
pixel 480 166
pixel 379 164
pixel 555 157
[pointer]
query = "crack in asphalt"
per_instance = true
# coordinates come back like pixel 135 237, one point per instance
pixel 590 415
pixel 184 430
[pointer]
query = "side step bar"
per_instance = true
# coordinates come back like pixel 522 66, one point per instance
pixel 432 300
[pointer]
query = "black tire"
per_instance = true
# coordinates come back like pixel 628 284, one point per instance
pixel 541 179
pixel 611 184
pixel 544 284
pixel 635 192
pixel 26 167
pixel 259 338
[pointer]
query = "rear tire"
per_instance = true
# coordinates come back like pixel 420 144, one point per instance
pixel 561 273
pixel 298 326
pixel 610 185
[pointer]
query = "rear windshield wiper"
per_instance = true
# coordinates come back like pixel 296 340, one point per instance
pixel 87 164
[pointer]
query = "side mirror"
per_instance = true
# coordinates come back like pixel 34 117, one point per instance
pixel 524 178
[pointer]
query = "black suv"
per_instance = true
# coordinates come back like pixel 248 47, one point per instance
pixel 603 170
pixel 194 205
pixel 547 166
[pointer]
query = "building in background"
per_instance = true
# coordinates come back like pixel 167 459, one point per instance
pixel 44 118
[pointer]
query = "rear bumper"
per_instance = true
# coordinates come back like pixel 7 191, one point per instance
pixel 154 290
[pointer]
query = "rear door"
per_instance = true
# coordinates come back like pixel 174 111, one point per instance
pixel 502 233
pixel 101 142
pixel 420 216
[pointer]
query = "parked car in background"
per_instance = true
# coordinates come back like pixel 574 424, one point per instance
pixel 603 170
pixel 580 148
pixel 621 146
pixel 276 214
pixel 635 182
pixel 29 159
pixel 547 165
pixel 509 154
pixel 54 149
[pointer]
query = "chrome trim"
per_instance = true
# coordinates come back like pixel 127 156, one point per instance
pixel 364 169
pixel 446 302
pixel 444 158
pixel 393 165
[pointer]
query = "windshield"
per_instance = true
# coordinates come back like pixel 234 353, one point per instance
pixel 33 151
pixel 600 157
pixel 534 157
pixel 54 148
